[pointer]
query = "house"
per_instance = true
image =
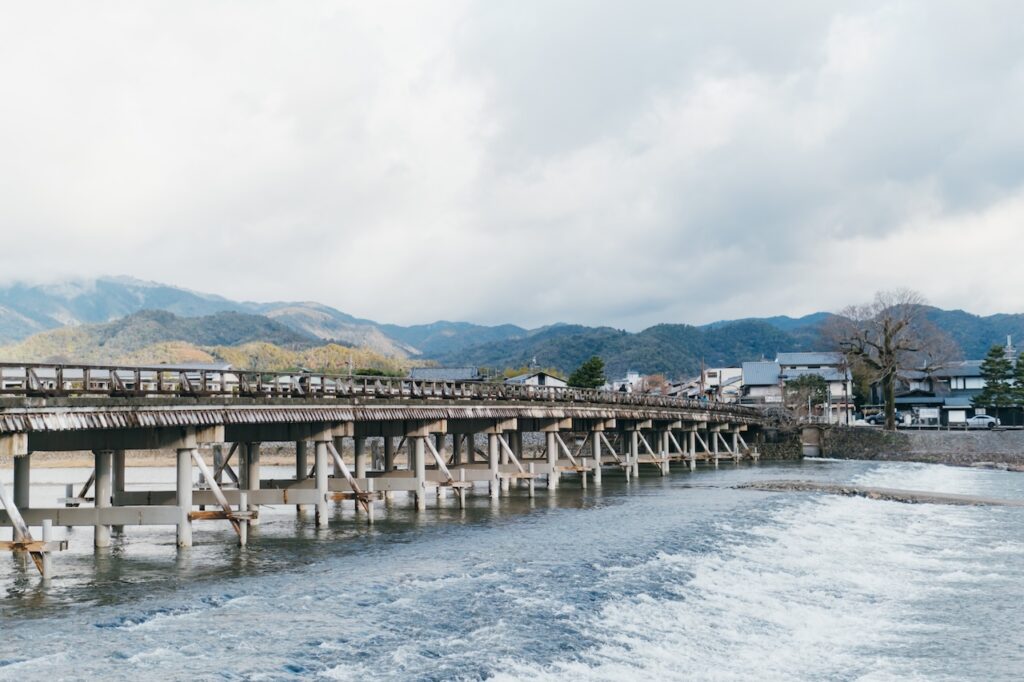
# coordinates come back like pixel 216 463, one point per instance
pixel 445 374
pixel 942 397
pixel 762 383
pixel 627 384
pixel 722 383
pixel 834 369
pixel 537 379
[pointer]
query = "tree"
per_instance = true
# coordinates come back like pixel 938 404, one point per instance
pixel 588 375
pixel 807 389
pixel 998 372
pixel 890 336
pixel 1018 380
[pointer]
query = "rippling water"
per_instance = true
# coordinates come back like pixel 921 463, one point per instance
pixel 663 578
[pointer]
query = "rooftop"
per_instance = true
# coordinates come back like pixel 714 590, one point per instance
pixel 810 358
pixel 444 373
pixel 761 373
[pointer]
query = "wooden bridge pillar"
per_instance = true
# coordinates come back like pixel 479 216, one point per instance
pixel 183 497
pixel 663 451
pixel 389 462
pixel 456 449
pixel 359 448
pixel 692 448
pixel 505 460
pixel 320 472
pixel 552 450
pixel 419 457
pixel 22 481
pixel 119 481
pixel 494 485
pixel 301 464
pixel 252 476
pixel 102 493
pixel 595 447
pixel 634 453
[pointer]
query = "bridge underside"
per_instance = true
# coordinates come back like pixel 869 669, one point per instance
pixel 363 453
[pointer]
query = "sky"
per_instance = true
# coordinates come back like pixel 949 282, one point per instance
pixel 607 163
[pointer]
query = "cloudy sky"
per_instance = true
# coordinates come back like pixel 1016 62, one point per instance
pixel 604 163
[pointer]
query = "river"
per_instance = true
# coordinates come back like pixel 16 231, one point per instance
pixel 681 577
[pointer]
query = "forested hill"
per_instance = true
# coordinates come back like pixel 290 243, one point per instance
pixel 127 337
pixel 673 349
pixel 114 316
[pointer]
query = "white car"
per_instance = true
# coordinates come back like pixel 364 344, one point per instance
pixel 982 421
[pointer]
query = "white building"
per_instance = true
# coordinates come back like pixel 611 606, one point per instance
pixel 537 379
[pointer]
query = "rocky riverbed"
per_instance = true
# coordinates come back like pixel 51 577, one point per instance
pixel 890 494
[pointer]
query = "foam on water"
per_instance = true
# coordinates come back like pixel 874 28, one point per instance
pixel 833 587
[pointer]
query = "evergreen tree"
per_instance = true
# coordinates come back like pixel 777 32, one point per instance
pixel 998 372
pixel 1018 381
pixel 588 375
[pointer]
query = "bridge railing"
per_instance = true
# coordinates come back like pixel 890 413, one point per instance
pixel 63 380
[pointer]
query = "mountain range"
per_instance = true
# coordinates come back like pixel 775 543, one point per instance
pixel 122 317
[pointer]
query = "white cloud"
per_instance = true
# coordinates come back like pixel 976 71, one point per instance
pixel 532 162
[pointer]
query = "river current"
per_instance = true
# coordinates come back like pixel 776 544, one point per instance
pixel 681 577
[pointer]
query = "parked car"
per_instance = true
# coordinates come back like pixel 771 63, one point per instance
pixel 982 421
pixel 879 418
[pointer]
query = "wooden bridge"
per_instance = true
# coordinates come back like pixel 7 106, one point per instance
pixel 417 437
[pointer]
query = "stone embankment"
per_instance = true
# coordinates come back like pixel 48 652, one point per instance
pixel 981 448
pixel 890 494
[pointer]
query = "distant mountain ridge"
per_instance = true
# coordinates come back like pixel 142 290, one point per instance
pixel 673 349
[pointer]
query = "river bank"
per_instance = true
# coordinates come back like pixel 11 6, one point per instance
pixel 991 449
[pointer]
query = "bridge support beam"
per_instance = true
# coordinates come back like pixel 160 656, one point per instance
pixel 301 464
pixel 359 456
pixel 252 476
pixel 505 481
pixel 439 440
pixel 102 492
pixel 456 449
pixel 595 447
pixel 663 451
pixel 418 450
pixel 183 496
pixel 118 462
pixel 389 462
pixel 552 450
pixel 692 449
pixel 22 481
pixel 320 472
pixel 634 453
pixel 493 485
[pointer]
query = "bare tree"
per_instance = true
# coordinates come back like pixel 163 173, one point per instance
pixel 891 337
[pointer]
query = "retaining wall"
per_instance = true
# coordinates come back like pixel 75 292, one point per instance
pixel 963 448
